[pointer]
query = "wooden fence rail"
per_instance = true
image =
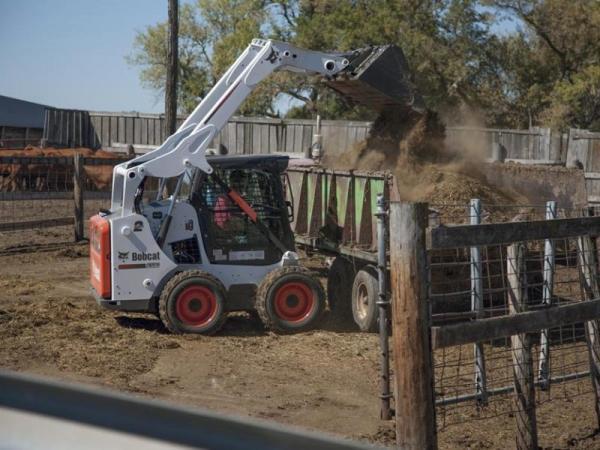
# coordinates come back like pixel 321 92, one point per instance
pixel 520 322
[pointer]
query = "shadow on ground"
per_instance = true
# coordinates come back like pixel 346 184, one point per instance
pixel 238 324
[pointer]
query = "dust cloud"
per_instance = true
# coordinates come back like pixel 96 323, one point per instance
pixel 427 166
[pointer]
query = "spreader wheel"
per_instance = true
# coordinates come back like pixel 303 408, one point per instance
pixel 339 290
pixel 193 302
pixel 290 299
pixel 365 290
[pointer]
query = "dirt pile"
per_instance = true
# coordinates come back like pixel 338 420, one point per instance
pixel 412 146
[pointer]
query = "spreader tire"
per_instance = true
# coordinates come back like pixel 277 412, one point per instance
pixel 364 299
pixel 192 302
pixel 290 299
pixel 339 290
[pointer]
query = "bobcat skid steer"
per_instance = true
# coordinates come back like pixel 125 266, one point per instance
pixel 221 241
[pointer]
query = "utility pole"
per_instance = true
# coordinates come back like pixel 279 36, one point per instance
pixel 172 69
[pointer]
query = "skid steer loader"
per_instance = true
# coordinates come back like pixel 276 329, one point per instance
pixel 221 241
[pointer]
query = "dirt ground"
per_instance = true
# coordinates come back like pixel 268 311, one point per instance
pixel 324 380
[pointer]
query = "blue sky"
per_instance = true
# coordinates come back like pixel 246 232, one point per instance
pixel 71 53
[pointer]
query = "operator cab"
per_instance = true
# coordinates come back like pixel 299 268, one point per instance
pixel 229 236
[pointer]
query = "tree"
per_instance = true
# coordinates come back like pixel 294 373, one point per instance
pixel 445 42
pixel 150 53
pixel 576 102
pixel 544 69
pixel 211 35
pixel 548 63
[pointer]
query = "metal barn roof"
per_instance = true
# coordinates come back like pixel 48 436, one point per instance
pixel 20 113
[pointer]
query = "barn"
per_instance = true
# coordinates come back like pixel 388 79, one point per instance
pixel 21 122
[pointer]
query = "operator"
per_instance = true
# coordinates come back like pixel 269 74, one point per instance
pixel 223 205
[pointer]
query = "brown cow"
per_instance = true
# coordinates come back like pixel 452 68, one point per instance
pixel 55 177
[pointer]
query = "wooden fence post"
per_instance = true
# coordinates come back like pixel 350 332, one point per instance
pixel 78 186
pixel 415 407
pixel 526 438
pixel 591 291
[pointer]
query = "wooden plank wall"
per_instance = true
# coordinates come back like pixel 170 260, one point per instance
pixel 242 135
pixel 584 152
pixel 537 143
pixel 75 128
pixel 248 135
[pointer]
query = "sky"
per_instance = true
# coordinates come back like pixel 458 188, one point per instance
pixel 71 53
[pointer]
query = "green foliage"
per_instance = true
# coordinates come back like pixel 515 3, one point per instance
pixel 544 72
pixel 548 63
pixel 576 102
pixel 212 33
pixel 445 42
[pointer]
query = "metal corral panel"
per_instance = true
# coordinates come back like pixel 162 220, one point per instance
pixel 335 208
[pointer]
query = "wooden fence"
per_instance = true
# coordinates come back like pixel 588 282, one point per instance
pixel 242 135
pixel 584 152
pixel 95 129
pixel 536 145
pixel 249 135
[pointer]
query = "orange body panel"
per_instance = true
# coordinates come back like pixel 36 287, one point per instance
pixel 100 256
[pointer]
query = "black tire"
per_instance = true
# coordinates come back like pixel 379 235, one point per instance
pixel 295 309
pixel 339 290
pixel 364 299
pixel 192 302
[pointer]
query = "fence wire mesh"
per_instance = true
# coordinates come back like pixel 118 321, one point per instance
pixel 476 382
pixel 35 194
pixel 97 184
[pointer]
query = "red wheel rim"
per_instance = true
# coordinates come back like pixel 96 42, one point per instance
pixel 196 306
pixel 294 301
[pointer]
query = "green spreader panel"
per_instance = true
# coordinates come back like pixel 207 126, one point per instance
pixel 336 208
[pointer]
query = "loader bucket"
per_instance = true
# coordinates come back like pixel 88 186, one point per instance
pixel 379 78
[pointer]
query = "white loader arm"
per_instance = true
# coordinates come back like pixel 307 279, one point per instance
pixel 186 147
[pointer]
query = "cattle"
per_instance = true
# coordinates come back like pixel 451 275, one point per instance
pixel 56 176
